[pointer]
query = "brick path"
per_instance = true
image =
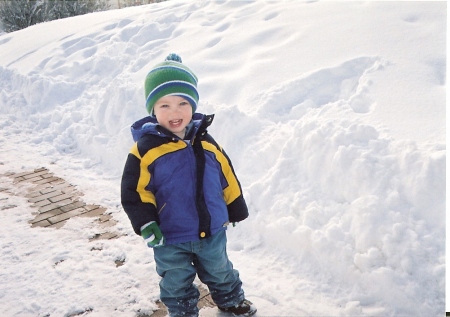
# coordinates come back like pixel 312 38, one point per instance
pixel 56 201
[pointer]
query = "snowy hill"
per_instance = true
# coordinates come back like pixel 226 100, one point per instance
pixel 332 112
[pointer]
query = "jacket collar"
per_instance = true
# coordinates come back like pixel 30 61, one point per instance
pixel 149 125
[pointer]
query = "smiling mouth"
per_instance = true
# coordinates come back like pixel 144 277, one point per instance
pixel 176 122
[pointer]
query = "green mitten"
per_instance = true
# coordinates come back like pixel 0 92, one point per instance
pixel 152 235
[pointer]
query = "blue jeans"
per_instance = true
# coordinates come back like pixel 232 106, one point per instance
pixel 178 264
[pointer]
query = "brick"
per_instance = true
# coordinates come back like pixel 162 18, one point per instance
pixel 58 204
pixel 104 217
pixel 43 223
pixel 74 205
pixel 59 198
pixel 66 215
pixel 161 312
pixel 58 224
pixel 46 196
pixel 94 212
pixel 47 180
pixel 107 224
pixel 100 210
pixel 47 215
pixel 47 190
pixel 205 298
pixel 47 175
pixel 33 194
pixel 49 187
pixel 38 174
pixel 57 182
pixel 36 180
pixel 91 207
pixel 70 190
pixel 42 203
pixel 110 223
pixel 104 236
pixel 18 179
pixel 113 235
pixel 23 174
pixel 41 187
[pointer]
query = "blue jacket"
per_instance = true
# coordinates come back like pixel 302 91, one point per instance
pixel 187 186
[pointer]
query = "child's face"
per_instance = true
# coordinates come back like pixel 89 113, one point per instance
pixel 173 113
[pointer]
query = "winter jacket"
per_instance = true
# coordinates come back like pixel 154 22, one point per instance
pixel 187 186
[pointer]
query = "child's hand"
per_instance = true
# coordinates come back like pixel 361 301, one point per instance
pixel 152 235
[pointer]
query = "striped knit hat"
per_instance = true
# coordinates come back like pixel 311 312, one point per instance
pixel 171 77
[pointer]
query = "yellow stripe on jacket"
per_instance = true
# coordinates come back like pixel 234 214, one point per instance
pixel 148 158
pixel 233 190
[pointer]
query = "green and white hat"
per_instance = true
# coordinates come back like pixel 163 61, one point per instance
pixel 171 77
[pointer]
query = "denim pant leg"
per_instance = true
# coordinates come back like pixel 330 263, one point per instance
pixel 216 271
pixel 174 265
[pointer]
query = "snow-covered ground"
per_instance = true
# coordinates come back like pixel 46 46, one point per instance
pixel 332 112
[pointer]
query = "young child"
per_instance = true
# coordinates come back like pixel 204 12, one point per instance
pixel 180 192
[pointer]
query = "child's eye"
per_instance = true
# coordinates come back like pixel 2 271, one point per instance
pixel 184 103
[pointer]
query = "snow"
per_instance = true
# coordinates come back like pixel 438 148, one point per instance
pixel 333 114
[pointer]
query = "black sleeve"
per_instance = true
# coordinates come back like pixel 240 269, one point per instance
pixel 237 210
pixel 138 212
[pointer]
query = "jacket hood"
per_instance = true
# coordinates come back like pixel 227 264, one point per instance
pixel 149 125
